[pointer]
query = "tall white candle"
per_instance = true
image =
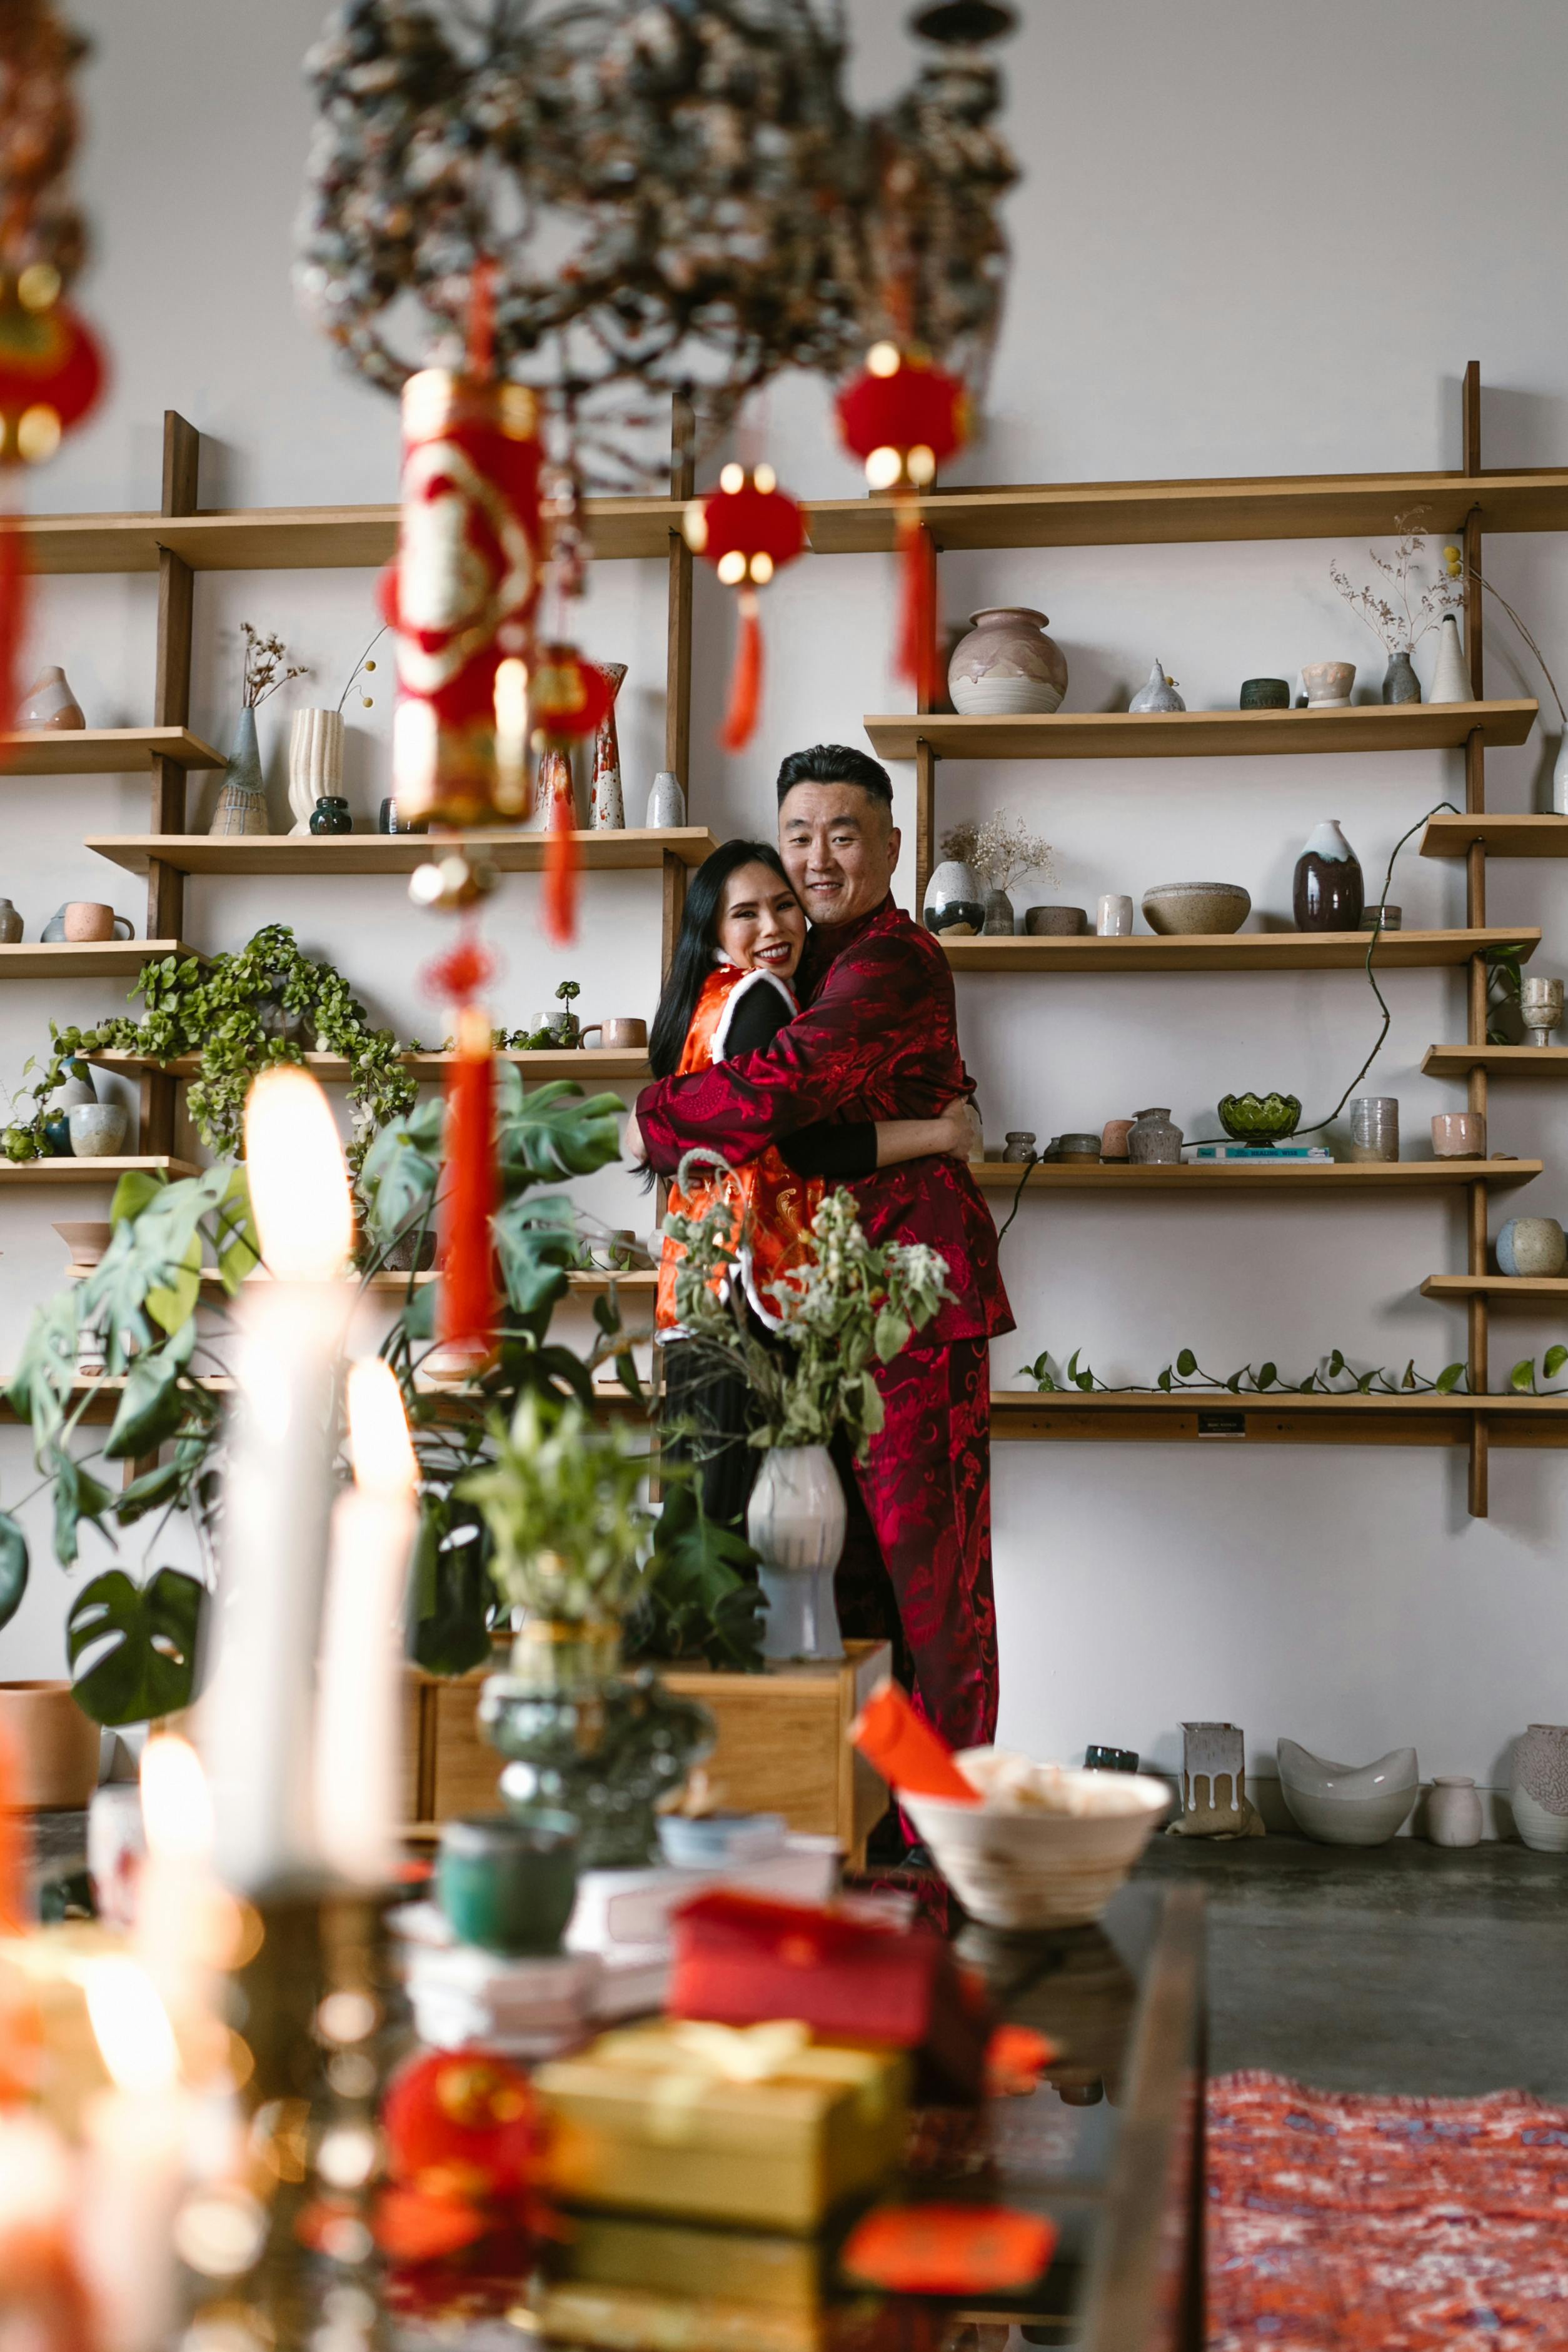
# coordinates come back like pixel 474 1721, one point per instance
pixel 175 1892
pixel 133 2162
pixel 359 1743
pixel 258 1712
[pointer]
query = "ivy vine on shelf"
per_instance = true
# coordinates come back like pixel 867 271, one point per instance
pixel 1334 1376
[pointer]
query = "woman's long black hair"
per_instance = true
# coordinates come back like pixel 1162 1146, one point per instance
pixel 697 948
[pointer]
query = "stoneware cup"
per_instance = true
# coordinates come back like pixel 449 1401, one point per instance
pixel 1056 922
pixel 97 1130
pixel 86 919
pixel 508 1885
pixel 1459 1135
pixel 1264 694
pixel 1328 684
pixel 1113 1138
pixel 615 1036
pixel 1113 917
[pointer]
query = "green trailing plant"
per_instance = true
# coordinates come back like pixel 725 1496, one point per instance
pixel 1521 1379
pixel 1338 1379
pixel 852 1306
pixel 267 1002
pixel 1505 987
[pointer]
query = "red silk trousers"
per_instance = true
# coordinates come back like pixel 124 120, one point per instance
pixel 916 1569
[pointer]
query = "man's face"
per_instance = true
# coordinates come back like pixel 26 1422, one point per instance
pixel 839 848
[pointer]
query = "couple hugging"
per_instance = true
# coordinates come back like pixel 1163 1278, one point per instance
pixel 833 1055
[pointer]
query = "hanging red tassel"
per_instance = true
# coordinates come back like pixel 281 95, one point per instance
pixel 568 696
pixel 918 659
pixel 470 1303
pixel 746 677
pixel 562 855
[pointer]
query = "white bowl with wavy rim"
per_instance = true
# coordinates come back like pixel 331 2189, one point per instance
pixel 1033 1868
pixel 1347 1804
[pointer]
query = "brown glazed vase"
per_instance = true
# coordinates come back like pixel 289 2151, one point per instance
pixel 1329 889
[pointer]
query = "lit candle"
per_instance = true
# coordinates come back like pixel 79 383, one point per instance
pixel 174 1895
pixel 256 1715
pixel 358 1751
pixel 133 2161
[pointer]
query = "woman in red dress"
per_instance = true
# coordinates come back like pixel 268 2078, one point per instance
pixel 729 993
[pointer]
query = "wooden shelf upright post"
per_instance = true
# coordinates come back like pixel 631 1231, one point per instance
pixel 925 760
pixel 1476 913
pixel 171 708
pixel 678 659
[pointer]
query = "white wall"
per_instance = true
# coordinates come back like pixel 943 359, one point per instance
pixel 1245 242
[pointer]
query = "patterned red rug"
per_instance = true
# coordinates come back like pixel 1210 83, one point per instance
pixel 1407 2225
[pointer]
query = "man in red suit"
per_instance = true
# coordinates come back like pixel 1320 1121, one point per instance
pixel 877 1038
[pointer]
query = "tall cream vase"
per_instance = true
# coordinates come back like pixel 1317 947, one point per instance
pixel 315 761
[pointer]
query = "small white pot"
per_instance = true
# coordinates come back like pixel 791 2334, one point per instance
pixel 1454 1810
pixel 796 1520
pixel 97 1130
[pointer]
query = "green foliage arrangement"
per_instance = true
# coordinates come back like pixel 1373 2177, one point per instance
pixel 855 1305
pixel 268 1002
pixel 561 1499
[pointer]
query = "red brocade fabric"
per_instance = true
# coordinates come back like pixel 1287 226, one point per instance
pixel 877 1039
pixel 1339 2221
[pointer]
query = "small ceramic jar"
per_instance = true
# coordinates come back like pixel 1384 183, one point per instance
pixel 1454 1810
pixel 1264 694
pixel 1532 1247
pixel 954 901
pixel 1018 1144
pixel 1113 1138
pixel 1154 1141
pixel 97 1130
pixel 1459 1135
pixel 1000 921
pixel 1113 917
pixel 331 814
pixel 1081 1151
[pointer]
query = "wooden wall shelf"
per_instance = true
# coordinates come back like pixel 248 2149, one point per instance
pixel 293 539
pixel 93 1171
pixel 1500 1061
pixel 641 1282
pixel 1500 836
pixel 1202 734
pixel 1213 1417
pixel 591 1068
pixel 1500 1290
pixel 91 960
pixel 332 854
pixel 1235 952
pixel 102 750
pixel 1337 1180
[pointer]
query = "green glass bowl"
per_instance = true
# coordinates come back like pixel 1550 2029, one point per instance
pixel 1259 1119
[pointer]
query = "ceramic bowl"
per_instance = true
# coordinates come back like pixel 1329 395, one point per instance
pixel 1078 1146
pixel 1264 694
pixel 1037 1869
pixel 1182 909
pixel 1328 684
pixel 97 1130
pixel 720 1841
pixel 1056 922
pixel 1347 1804
pixel 86 1243
pixel 1259 1119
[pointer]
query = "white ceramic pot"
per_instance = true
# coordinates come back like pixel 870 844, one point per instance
pixel 315 761
pixel 97 1130
pixel 1531 1246
pixel 1038 1869
pixel 1452 680
pixel 796 1521
pixel 1538 1787
pixel 1454 1810
pixel 1158 693
pixel 1006 664
pixel 1347 1804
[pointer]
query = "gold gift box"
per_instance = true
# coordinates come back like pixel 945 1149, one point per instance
pixel 757 2123
pixel 629 2319
pixel 694 2258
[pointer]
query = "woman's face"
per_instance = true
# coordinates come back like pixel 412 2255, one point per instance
pixel 761 924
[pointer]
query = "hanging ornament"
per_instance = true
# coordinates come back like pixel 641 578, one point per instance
pixel 571 698
pixel 469 1302
pixel 903 418
pixel 748 528
pixel 459 597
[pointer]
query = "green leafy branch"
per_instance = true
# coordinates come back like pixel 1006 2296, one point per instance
pixel 1265 1379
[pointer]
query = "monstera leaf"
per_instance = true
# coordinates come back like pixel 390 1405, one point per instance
pixel 13 1567
pixel 449 1591
pixel 144 1640
pixel 556 1131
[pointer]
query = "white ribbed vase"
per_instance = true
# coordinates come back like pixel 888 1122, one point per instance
pixel 796 1520
pixel 315 761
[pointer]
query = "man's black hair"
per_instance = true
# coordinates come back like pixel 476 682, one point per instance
pixel 837 763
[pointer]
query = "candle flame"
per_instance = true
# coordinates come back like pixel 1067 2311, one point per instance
pixel 177 1809
pixel 379 1444
pixel 299 1182
pixel 130 2025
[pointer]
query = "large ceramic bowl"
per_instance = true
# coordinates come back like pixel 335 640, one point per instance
pixel 1037 1869
pixel 1178 909
pixel 1347 1804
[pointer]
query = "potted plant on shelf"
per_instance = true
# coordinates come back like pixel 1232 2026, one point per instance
pixel 852 1304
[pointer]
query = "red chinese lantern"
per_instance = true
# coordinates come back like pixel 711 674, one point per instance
pixel 903 418
pixel 568 696
pixel 51 377
pixel 747 530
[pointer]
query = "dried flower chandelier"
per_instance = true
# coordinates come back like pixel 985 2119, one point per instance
pixel 675 194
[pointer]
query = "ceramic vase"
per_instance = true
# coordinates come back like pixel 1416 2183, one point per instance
pixel 1538 1787
pixel 1157 694
pixel 1006 664
pixel 1532 1247
pixel 1451 678
pixel 1541 1003
pixel 666 802
pixel 796 1522
pixel 608 808
pixel 315 762
pixel 954 901
pixel 1454 1810
pixel 10 924
pixel 97 1130
pixel 242 802
pixel 1215 1802
pixel 331 815
pixel 50 703
pixel 1400 683
pixel 1001 922
pixel 1154 1141
pixel 1329 889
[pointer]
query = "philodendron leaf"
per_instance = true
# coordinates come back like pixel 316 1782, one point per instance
pixel 174 1305
pixel 142 1644
pixel 78 1496
pixel 1556 1357
pixel 1164 1381
pixel 1336 1364
pixel 151 1408
pixel 1267 1376
pixel 13 1567
pixel 1522 1377
pixel 1448 1379
pixel 1186 1364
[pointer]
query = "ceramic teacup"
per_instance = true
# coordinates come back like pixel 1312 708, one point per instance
pixel 88 918
pixel 1264 694
pixel 508 1885
pixel 614 1037
pixel 1113 1138
pixel 1459 1135
pixel 1113 916
pixel 1328 684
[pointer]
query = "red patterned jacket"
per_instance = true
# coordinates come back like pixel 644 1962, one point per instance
pixel 877 1039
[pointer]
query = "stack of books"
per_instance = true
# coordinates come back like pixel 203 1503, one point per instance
pixel 1264 1155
